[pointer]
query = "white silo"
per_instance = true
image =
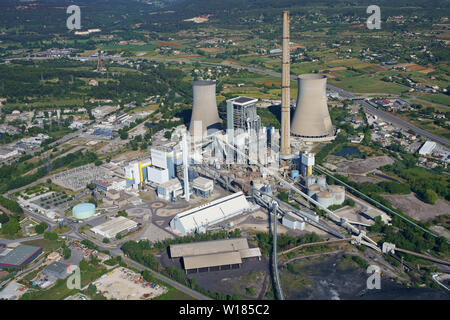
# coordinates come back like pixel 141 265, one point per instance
pixel 311 119
pixel 205 115
pixel 325 198
pixel 313 189
pixel 339 194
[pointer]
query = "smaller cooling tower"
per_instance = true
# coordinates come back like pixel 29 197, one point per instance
pixel 204 108
pixel 311 118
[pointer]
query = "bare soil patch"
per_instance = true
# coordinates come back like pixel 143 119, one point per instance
pixel 417 209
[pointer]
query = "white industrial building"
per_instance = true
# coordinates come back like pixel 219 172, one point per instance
pixel 293 221
pixel 115 226
pixel 200 218
pixel 164 157
pixel 307 163
pixel 203 186
pixel 170 190
pixel 427 148
pixel 157 175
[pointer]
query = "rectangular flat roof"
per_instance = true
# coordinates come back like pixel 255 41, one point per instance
pixel 114 226
pixel 244 100
pixel 212 260
pixel 19 255
pixel 207 247
pixel 201 181
pixel 227 199
pixel 171 183
pixel 250 253
pixel 56 267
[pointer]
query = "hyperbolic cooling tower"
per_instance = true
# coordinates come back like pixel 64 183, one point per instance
pixel 204 107
pixel 311 118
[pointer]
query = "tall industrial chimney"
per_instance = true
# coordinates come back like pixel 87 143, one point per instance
pixel 204 107
pixel 285 91
pixel 185 169
pixel 311 119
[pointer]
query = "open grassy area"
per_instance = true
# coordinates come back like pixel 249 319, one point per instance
pixel 45 244
pixel 437 98
pixel 367 84
pixel 63 229
pixel 174 294
pixel 60 290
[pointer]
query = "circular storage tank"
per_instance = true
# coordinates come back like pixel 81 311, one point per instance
pixel 83 211
pixel 322 181
pixel 325 198
pixel 313 189
pixel 339 194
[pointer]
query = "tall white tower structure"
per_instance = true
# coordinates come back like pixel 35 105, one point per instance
pixel 307 163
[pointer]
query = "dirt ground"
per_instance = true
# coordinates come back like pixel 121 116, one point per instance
pixel 364 166
pixel 123 284
pixel 361 179
pixel 153 233
pixel 417 209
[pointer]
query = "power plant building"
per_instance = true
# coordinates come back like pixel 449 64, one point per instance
pixel 200 218
pixel 205 115
pixel 307 163
pixel 241 114
pixel 157 175
pixel 136 172
pixel 312 120
pixel 203 187
pixel 170 190
pixel 163 157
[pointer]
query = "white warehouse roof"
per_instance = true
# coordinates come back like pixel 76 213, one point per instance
pixel 427 148
pixel 214 253
pixel 207 247
pixel 210 213
pixel 114 226
pixel 212 260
